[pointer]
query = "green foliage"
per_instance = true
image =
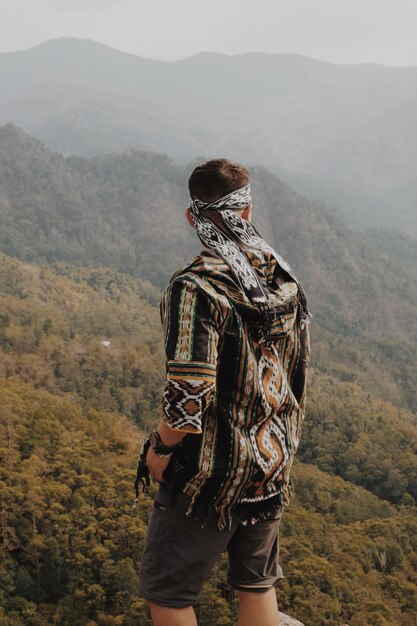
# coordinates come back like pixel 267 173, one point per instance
pixel 54 321
pixel 365 440
pixel 71 541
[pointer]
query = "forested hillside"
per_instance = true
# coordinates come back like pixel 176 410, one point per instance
pixel 125 212
pixel 69 439
pixel 397 245
pixel 55 319
pixel 92 334
pixel 86 245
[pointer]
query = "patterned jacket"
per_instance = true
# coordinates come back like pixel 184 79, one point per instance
pixel 241 403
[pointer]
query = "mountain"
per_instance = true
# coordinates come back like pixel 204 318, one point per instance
pixel 125 211
pixel 86 244
pixel 75 119
pixel 395 244
pixel 344 134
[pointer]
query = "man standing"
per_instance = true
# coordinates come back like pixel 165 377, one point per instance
pixel 236 339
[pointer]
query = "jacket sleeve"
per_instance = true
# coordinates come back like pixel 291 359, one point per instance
pixel 191 331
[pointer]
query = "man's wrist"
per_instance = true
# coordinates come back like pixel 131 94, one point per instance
pixel 169 436
pixel 158 446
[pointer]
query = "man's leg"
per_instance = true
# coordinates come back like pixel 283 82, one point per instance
pixel 179 555
pixel 255 570
pixel 257 609
pixel 166 616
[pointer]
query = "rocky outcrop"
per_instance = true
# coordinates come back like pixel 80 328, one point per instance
pixel 286 620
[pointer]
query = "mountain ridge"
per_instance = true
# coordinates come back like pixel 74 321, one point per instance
pixel 333 131
pixel 58 41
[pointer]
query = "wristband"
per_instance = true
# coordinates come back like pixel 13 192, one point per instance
pixel 158 445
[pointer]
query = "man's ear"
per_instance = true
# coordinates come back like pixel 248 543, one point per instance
pixel 189 217
pixel 247 213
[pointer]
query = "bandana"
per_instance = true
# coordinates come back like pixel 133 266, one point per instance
pixel 220 228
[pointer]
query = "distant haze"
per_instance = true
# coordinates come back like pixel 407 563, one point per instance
pixel 345 134
pixel 359 31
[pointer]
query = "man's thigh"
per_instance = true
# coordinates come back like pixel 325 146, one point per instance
pixel 254 555
pixel 179 554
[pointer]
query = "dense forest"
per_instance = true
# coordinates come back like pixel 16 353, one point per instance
pixel 86 245
pixel 72 415
pixel 71 541
pixel 55 319
pixel 54 326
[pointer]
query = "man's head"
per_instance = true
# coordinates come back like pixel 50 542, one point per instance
pixel 216 178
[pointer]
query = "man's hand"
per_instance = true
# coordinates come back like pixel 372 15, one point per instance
pixel 156 465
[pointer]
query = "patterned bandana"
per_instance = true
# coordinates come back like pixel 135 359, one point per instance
pixel 219 227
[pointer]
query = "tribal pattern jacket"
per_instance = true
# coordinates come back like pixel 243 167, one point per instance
pixel 240 401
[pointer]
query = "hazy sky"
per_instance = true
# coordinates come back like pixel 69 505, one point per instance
pixel 342 31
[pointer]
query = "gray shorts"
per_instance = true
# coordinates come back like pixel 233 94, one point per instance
pixel 179 554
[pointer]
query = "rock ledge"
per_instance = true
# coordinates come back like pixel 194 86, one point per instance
pixel 286 620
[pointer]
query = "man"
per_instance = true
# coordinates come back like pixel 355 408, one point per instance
pixel 237 347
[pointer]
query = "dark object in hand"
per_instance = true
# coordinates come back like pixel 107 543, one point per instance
pixel 142 473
